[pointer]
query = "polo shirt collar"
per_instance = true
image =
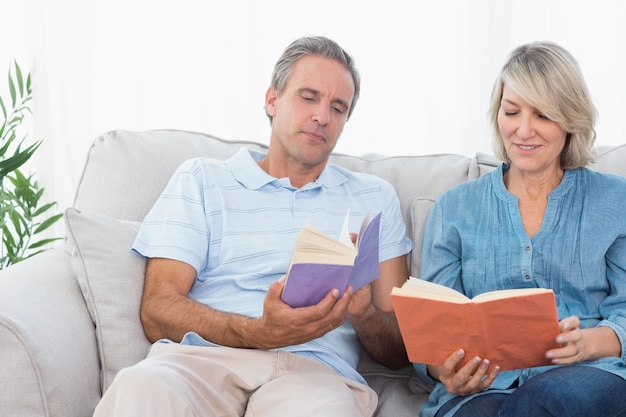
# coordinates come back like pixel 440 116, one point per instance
pixel 245 168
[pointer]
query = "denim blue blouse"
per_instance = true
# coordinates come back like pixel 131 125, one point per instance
pixel 474 241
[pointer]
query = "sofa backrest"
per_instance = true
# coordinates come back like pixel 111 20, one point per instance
pixel 610 159
pixel 126 171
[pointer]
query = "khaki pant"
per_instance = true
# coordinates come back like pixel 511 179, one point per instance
pixel 177 381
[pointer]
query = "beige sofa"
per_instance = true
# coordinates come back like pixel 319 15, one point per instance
pixel 69 317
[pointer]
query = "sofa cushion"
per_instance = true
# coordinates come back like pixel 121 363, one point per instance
pixel 126 171
pixel 420 208
pixel 111 279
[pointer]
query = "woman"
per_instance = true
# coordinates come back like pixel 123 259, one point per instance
pixel 539 220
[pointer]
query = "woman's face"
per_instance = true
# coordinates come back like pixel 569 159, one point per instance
pixel 533 143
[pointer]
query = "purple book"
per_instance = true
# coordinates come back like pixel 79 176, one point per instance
pixel 320 263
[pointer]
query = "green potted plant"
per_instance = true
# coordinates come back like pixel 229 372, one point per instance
pixel 23 216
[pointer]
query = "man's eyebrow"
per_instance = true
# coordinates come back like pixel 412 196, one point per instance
pixel 308 90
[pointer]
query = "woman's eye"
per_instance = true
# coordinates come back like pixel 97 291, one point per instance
pixel 339 110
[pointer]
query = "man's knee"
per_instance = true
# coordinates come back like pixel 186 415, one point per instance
pixel 141 377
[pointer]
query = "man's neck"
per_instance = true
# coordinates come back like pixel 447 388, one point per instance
pixel 299 174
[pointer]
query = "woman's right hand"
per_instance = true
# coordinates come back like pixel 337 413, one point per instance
pixel 471 378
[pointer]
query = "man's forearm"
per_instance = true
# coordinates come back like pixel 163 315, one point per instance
pixel 379 334
pixel 172 315
pixel 227 329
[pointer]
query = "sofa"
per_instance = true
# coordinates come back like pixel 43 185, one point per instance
pixel 69 317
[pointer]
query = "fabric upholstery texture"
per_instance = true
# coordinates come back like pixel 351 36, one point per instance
pixel 111 280
pixel 48 355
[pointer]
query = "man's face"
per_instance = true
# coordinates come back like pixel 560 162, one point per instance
pixel 309 115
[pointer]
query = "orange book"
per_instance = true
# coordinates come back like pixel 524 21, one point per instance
pixel 511 328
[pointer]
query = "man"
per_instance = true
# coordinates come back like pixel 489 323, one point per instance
pixel 218 243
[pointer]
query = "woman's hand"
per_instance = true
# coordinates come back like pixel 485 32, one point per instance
pixel 471 378
pixel 574 346
pixel 578 345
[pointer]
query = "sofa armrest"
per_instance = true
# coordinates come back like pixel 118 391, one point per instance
pixel 48 352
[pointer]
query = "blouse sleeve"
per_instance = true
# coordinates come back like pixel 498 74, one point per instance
pixel 613 308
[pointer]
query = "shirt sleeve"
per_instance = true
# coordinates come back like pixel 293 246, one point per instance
pixel 176 227
pixel 394 241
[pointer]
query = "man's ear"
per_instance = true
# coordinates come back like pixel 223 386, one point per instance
pixel 270 101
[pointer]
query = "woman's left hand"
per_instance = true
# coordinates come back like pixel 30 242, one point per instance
pixel 573 343
pixel 584 344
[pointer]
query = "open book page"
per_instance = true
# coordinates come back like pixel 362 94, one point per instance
pixel 313 246
pixel 344 236
pixel 428 289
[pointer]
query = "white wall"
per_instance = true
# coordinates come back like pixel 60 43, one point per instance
pixel 427 67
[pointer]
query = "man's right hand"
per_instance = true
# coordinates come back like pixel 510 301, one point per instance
pixel 282 325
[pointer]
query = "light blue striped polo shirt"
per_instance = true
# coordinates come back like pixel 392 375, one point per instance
pixel 236 225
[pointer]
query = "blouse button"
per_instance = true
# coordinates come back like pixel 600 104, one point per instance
pixel 527 277
pixel 527 248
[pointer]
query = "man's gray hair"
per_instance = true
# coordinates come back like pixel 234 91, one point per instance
pixel 314 45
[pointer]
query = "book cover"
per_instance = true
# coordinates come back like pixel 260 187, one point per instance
pixel 511 328
pixel 320 263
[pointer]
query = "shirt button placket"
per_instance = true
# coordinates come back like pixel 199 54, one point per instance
pixel 527 262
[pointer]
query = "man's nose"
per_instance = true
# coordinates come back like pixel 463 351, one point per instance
pixel 321 114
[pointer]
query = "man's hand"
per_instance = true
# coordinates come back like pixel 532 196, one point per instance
pixel 282 325
pixel 361 305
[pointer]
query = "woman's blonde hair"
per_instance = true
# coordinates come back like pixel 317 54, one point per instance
pixel 548 77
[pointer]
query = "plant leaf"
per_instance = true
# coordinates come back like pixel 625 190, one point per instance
pixel 4 111
pixel 44 208
pixel 43 242
pixel 20 194
pixel 12 90
pixel 20 81
pixel 17 160
pixel 47 223
pixel 7 238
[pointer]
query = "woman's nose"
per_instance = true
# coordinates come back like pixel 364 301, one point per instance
pixel 525 129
